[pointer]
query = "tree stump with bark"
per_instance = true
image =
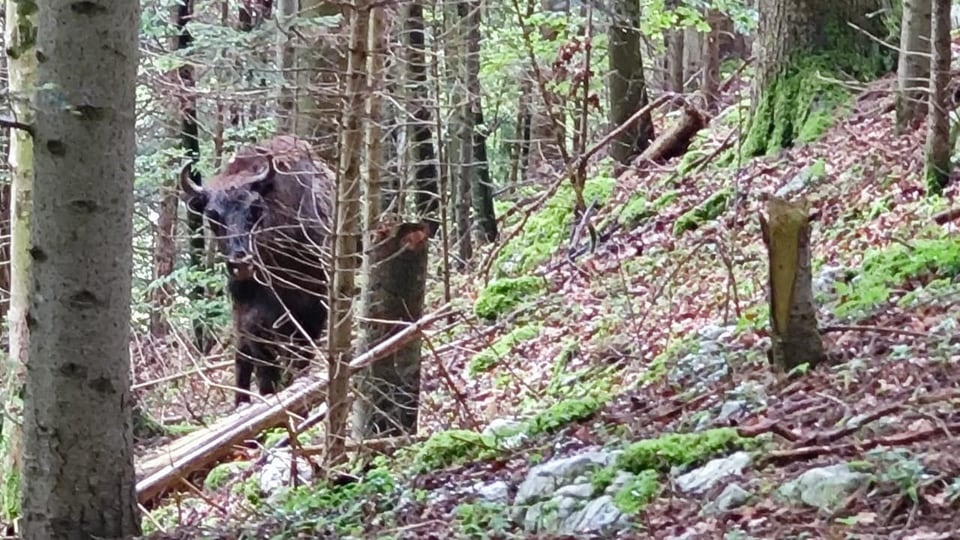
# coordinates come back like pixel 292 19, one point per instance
pixel 795 337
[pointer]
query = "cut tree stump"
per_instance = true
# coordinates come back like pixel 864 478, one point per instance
pixel 163 469
pixel 795 338
pixel 675 141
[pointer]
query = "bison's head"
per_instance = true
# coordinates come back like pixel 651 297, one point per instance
pixel 234 211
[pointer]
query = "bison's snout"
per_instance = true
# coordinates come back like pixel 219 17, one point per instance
pixel 240 266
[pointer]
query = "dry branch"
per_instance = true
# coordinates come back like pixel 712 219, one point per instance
pixel 164 469
pixel 675 141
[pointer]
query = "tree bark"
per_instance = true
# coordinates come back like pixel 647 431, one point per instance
pixel 710 77
pixel 423 156
pixel 481 189
pixel 346 253
pixel 795 337
pixel 674 57
pixel 320 63
pixel 78 455
pixel 913 69
pixel 388 392
pixel 20 40
pixel 459 151
pixel 628 89
pixel 796 40
pixel 937 169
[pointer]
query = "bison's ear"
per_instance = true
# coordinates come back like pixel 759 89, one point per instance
pixel 264 181
pixel 192 193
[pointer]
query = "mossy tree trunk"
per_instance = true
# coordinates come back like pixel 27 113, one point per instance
pixel 20 39
pixel 798 41
pixel 913 69
pixel 937 167
pixel 479 167
pixel 795 337
pixel 628 88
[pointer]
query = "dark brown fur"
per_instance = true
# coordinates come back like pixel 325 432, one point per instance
pixel 269 209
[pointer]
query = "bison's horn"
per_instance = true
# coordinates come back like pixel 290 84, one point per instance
pixel 187 185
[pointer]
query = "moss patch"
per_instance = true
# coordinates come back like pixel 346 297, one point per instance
pixel 563 413
pixel 502 295
pixel 708 210
pixel 641 490
pixel 453 447
pixel 678 449
pixel 487 359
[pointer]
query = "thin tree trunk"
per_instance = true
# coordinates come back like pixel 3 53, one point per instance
pixel 482 189
pixel 675 58
pixel 78 441
pixel 20 41
pixel 913 69
pixel 420 136
pixel 937 170
pixel 710 78
pixel 287 61
pixel 628 89
pixel 460 150
pixel 346 253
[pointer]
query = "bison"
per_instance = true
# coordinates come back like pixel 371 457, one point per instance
pixel 269 210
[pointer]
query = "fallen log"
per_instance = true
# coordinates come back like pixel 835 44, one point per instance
pixel 675 141
pixel 163 469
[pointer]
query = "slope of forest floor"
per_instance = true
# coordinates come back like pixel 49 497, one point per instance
pixel 662 329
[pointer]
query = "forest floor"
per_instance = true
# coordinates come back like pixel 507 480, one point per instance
pixel 627 338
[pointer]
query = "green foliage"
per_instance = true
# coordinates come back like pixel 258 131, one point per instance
pixel 338 510
pixel 678 449
pixel 707 210
pixel 548 228
pixel 899 467
pixel 562 413
pixel 504 294
pixel 635 211
pixel 895 266
pixel 221 474
pixel 447 448
pixel 481 519
pixel 601 479
pixel 487 359
pixel 642 489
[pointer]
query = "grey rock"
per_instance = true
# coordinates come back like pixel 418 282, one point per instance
pixel 823 487
pixel 811 174
pixel 576 491
pixel 544 479
pixel 731 408
pixel 620 481
pixel 599 514
pixel 732 496
pixel 825 281
pixel 276 472
pixel 704 478
pixel 498 491
pixel 508 433
pixel 703 369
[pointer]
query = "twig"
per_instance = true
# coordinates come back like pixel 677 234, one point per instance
pixel 13 124
pixel 834 435
pixel 947 215
pixel 182 374
pixel 807 452
pixel 880 329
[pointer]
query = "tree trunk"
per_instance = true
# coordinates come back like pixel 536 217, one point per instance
pixel 388 392
pixel 482 189
pixel 674 57
pixel 710 77
pixel 913 69
pixel 692 54
pixel 287 61
pixel 420 136
pixel 937 169
pixel 798 43
pixel 628 89
pixel 78 454
pixel 320 63
pixel 795 337
pixel 20 39
pixel 460 149
pixel 190 142
pixel 346 254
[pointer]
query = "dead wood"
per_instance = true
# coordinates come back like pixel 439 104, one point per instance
pixel 675 141
pixel 164 469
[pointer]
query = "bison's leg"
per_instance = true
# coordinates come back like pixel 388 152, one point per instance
pixel 243 372
pixel 268 377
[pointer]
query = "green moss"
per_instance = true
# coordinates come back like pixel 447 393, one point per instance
pixel 706 211
pixel 636 210
pixel 481 519
pixel 563 413
pixel 898 266
pixel 221 474
pixel 678 449
pixel 601 479
pixel 502 295
pixel 456 446
pixel 487 359
pixel 550 227
pixel 638 493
